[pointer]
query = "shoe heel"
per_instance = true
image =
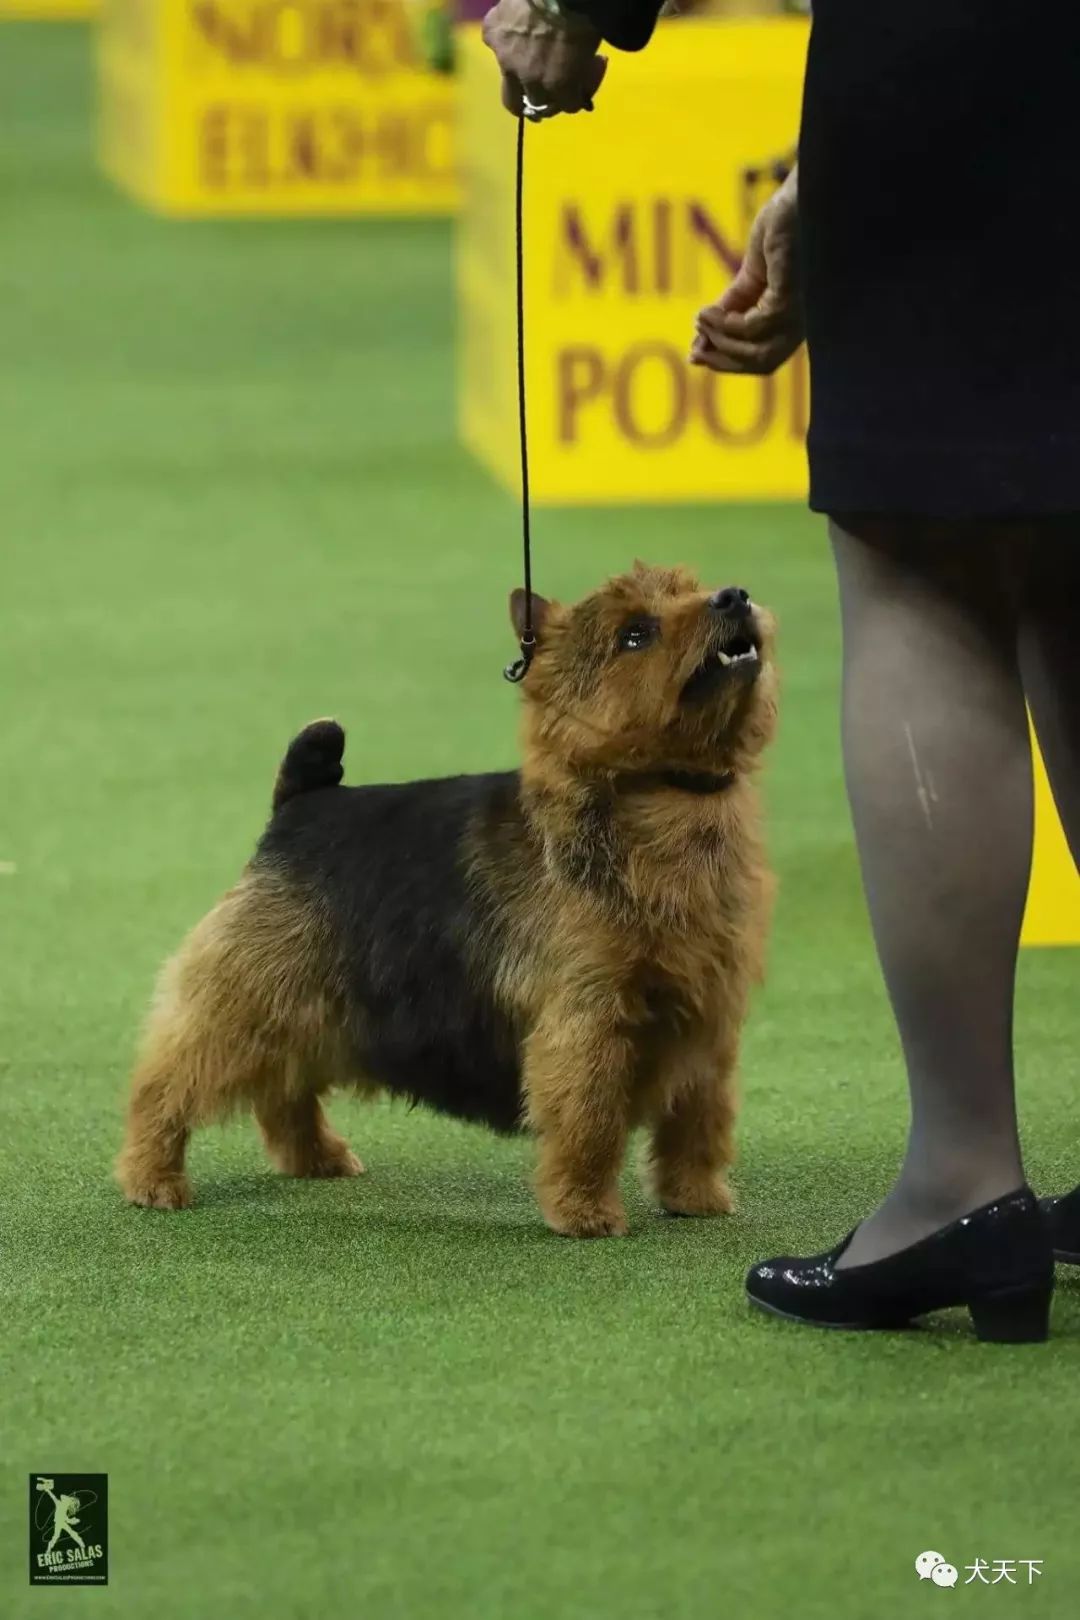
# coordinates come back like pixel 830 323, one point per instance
pixel 1013 1315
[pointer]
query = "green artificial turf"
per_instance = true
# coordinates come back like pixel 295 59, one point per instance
pixel 232 499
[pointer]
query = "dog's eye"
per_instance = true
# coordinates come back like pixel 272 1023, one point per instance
pixel 637 634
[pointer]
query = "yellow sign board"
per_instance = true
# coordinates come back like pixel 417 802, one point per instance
pixel 635 215
pixel 274 107
pixel 1053 908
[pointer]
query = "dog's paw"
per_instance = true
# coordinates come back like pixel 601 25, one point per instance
pixel 168 1191
pixel 339 1162
pixel 705 1196
pixel 327 1156
pixel 588 1221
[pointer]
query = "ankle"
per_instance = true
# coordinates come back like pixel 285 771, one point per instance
pixel 943 1193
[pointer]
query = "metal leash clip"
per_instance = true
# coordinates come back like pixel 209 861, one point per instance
pixel 518 670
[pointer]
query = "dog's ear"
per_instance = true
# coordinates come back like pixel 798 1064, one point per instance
pixel 541 607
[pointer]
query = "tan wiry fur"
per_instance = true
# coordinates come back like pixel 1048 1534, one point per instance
pixel 242 1016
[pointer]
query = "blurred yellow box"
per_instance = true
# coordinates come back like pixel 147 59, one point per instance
pixel 273 107
pixel 635 215
pixel 60 9
pixel 1053 908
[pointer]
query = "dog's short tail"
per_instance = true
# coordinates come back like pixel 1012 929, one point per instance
pixel 312 760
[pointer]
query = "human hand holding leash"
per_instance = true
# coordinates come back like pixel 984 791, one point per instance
pixel 547 56
pixel 757 324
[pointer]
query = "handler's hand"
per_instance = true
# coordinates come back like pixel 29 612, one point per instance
pixel 757 323
pixel 553 61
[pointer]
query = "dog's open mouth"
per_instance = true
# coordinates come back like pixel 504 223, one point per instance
pixel 739 655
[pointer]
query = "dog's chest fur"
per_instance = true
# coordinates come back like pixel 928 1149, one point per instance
pixel 670 898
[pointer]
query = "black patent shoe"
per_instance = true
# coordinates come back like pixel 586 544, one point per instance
pixel 997 1261
pixel 1063 1218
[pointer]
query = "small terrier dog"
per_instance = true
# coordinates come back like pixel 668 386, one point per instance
pixel 568 948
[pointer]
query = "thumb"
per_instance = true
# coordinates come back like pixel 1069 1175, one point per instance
pixel 594 76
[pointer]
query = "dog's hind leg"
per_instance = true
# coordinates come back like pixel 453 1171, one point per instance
pixel 243 1015
pixel 299 1137
pixel 181 1078
pixel 192 1068
pixel 150 1168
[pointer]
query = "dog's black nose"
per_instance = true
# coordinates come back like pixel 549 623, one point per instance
pixel 731 601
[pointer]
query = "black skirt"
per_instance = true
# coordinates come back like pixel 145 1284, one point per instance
pixel 940 222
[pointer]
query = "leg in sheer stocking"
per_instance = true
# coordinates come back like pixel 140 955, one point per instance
pixel 939 776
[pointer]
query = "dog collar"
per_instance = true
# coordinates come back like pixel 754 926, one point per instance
pixel 698 782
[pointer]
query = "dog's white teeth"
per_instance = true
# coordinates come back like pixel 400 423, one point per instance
pixel 723 657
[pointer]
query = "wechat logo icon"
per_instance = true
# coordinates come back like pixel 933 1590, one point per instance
pixel 931 1566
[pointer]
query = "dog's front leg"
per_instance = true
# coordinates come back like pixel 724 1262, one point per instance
pixel 578 1074
pixel 693 1132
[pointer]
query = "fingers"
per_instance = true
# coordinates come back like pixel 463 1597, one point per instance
pixel 537 102
pixel 752 277
pixel 548 101
pixel 722 343
pixel 579 98
pixel 745 291
pixel 759 322
pixel 770 315
pixel 746 359
pixel 754 327
pixel 749 358
pixel 567 88
pixel 725 326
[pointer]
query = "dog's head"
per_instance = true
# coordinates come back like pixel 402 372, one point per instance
pixel 651 672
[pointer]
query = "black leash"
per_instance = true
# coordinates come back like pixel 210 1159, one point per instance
pixel 520 667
